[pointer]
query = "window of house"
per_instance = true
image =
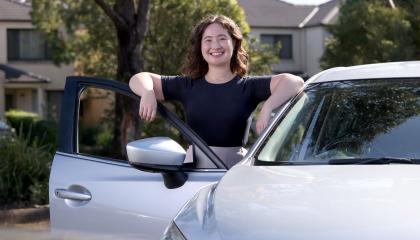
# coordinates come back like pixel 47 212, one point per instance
pixel 26 44
pixel 34 101
pixel 284 39
pixel 54 99
pixel 10 102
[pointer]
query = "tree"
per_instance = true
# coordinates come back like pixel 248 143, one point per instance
pixel 412 8
pixel 369 32
pixel 262 56
pixel 93 33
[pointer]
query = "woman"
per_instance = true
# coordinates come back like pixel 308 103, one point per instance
pixel 217 96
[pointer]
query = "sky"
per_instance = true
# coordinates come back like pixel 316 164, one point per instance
pixel 306 2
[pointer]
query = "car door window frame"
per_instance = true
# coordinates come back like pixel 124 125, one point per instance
pixel 69 119
pixel 269 130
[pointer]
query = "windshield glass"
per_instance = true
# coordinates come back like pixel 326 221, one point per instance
pixel 348 120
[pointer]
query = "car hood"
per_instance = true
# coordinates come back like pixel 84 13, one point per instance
pixel 319 202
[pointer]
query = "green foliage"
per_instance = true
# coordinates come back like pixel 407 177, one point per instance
pixel 95 140
pixel 78 31
pixel 262 57
pixel 370 32
pixel 24 170
pixel 412 9
pixel 34 127
pixel 159 127
pixel 88 135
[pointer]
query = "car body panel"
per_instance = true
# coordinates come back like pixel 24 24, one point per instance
pixel 319 202
pixel 125 201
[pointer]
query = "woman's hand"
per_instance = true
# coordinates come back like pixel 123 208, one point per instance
pixel 149 87
pixel 263 119
pixel 148 105
pixel 282 87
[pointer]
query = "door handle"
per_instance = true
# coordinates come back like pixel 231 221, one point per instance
pixel 72 195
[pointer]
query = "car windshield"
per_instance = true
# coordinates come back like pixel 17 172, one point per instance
pixel 338 122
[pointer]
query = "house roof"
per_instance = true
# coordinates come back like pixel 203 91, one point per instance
pixel 13 10
pixel 277 13
pixel 15 75
pixel 327 13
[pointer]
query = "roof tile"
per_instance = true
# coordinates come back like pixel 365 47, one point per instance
pixel 11 10
pixel 277 13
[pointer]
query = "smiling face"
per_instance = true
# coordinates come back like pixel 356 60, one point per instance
pixel 215 42
pixel 217 46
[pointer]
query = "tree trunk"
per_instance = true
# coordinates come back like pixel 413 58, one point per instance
pixel 127 122
pixel 131 26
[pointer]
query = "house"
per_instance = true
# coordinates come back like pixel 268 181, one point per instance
pixel 300 29
pixel 29 80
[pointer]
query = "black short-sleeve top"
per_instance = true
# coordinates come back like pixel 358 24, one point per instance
pixel 218 113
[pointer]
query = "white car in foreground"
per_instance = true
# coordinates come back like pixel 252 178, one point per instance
pixel 339 161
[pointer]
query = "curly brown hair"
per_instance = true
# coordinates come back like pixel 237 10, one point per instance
pixel 195 66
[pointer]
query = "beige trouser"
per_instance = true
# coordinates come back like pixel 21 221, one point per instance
pixel 229 155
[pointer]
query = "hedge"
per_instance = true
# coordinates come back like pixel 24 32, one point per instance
pixel 34 127
pixel 24 171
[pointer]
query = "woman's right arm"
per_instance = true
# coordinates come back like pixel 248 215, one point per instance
pixel 149 87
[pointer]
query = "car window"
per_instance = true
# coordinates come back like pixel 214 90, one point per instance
pixel 347 120
pixel 97 125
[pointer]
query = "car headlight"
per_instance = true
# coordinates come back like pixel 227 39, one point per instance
pixel 196 220
pixel 173 233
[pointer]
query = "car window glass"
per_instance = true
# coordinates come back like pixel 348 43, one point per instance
pixel 273 147
pixel 97 126
pixel 348 120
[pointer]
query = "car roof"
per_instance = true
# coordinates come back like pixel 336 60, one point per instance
pixel 369 71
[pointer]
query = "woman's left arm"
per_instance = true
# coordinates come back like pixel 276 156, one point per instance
pixel 282 88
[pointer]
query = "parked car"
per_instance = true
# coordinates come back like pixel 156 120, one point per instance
pixel 339 161
pixel 4 129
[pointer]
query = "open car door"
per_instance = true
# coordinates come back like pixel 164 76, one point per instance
pixel 95 189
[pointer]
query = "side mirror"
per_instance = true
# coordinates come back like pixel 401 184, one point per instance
pixel 159 154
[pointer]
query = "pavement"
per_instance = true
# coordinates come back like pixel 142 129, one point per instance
pixel 25 223
pixel 25 219
pixel 35 218
pixel 34 224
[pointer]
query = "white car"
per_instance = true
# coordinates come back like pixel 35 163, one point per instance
pixel 4 128
pixel 339 161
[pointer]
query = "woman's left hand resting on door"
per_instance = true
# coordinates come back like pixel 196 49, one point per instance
pixel 282 87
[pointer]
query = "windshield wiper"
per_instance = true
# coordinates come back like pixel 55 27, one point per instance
pixel 381 160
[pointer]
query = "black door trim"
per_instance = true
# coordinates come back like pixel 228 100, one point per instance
pixel 67 142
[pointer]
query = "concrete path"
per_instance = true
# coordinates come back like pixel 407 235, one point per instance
pixel 36 218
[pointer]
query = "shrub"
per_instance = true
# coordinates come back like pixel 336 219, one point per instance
pixel 95 140
pixel 88 134
pixel 24 170
pixel 34 127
